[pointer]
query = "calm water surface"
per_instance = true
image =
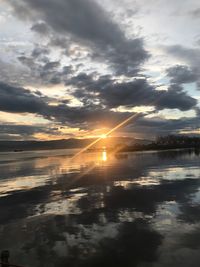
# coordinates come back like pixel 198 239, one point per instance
pixel 99 209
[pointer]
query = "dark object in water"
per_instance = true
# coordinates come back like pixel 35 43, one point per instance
pixel 18 150
pixel 5 254
pixel 121 156
pixel 5 258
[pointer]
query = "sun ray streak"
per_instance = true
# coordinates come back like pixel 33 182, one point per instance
pixel 124 122
pixel 134 116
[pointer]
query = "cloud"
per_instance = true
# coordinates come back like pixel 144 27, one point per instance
pixel 44 71
pixel 113 93
pixel 18 99
pixel 22 132
pixel 156 126
pixel 39 51
pixel 85 117
pixel 190 71
pixel 96 113
pixel 176 97
pixel 195 13
pixel 72 42
pixel 89 24
pixel 40 28
pixel 13 72
pixel 189 55
pixel 35 69
pixel 181 74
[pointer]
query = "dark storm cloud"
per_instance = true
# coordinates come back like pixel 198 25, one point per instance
pixel 176 97
pixel 39 51
pixel 195 13
pixel 18 99
pixel 85 117
pixel 160 126
pixel 51 65
pixel 20 129
pixel 14 73
pixel 49 72
pixel 43 70
pixel 191 56
pixel 41 28
pixel 92 26
pixel 182 74
pixel 22 132
pixel 198 111
pixel 59 42
pixel 113 93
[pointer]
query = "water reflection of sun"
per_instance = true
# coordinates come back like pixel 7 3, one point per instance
pixel 104 156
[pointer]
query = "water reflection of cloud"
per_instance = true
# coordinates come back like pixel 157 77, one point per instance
pixel 177 173
pixel 115 215
pixel 8 186
pixel 60 206
pixel 74 244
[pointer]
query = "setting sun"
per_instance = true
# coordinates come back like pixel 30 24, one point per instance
pixel 104 136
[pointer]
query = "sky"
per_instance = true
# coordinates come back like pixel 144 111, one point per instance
pixel 77 68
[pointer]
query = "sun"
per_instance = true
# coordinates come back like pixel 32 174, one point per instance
pixel 104 136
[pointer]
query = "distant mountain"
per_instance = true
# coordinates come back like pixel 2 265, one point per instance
pixel 68 143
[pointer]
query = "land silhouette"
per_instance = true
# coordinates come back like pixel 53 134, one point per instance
pixel 121 144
